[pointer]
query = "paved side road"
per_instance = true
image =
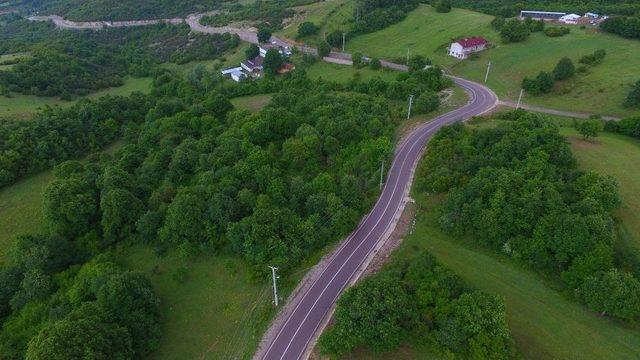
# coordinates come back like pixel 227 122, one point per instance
pixel 301 326
pixel 572 114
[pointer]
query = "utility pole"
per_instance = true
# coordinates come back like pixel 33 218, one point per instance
pixel 519 99
pixel 344 35
pixel 408 48
pixel 275 287
pixel 381 172
pixel 410 104
pixel 486 76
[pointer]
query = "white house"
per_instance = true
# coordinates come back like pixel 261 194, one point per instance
pixel 570 18
pixel 463 47
pixel 238 76
pixel 283 50
pixel 253 66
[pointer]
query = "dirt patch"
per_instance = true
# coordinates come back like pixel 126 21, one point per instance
pixel 580 143
pixel 405 226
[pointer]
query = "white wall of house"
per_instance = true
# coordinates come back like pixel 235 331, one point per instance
pixel 456 50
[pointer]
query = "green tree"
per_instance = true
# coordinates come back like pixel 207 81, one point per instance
pixel 442 6
pixel 375 64
pixel 417 62
pixel 252 52
pixel 264 34
pixel 589 128
pixel 70 206
pixel 564 69
pixel 633 99
pixel 307 28
pixel 514 30
pixel 334 38
pixel 373 313
pixel 324 49
pixel 185 219
pixel 498 22
pixel 427 102
pixel 273 61
pixel 120 210
pixel 81 337
pixel 356 58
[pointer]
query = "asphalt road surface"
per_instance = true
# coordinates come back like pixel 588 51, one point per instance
pixel 294 336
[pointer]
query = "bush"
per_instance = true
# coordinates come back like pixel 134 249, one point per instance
pixel 335 38
pixel 427 102
pixel 633 99
pixel 542 84
pixel 589 128
pixel 564 69
pixel 356 59
pixel 556 31
pixel 442 6
pixel 252 52
pixel 264 34
pixel 514 30
pixel 375 64
pixel 498 22
pixel 307 28
pixel 593 59
pixel 324 49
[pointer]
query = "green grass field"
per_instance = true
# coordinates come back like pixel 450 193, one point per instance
pixel 21 206
pixel 544 324
pixel 615 155
pixel 21 209
pixel 219 312
pixel 252 103
pixel 601 90
pixel 23 107
pixel 328 15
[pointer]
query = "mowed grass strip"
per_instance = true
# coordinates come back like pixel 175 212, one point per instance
pixel 544 324
pixel 601 90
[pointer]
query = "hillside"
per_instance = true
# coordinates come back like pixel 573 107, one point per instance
pixel 601 90
pixel 86 10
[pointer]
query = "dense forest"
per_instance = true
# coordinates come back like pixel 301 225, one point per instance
pixel 419 301
pixel 515 188
pixel 269 14
pixel 628 27
pixel 372 15
pixel 84 10
pixel 68 63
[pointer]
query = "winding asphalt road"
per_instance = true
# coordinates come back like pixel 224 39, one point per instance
pixel 302 325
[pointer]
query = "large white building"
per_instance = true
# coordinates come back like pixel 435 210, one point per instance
pixel 462 48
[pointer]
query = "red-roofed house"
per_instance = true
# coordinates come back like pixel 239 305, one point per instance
pixel 463 47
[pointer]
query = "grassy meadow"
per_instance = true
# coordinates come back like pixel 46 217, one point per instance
pixel 601 90
pixel 543 322
pixel 252 103
pixel 615 155
pixel 327 15
pixel 23 107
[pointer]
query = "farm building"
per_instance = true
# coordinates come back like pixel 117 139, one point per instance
pixel 462 48
pixel 284 51
pixel 541 15
pixel 570 18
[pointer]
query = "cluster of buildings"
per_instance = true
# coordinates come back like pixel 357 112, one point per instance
pixel 462 48
pixel 253 67
pixel 561 17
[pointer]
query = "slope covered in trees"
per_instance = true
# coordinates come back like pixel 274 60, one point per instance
pixel 515 189
pixel 419 301
pixel 508 8
pixel 69 62
pixel 87 10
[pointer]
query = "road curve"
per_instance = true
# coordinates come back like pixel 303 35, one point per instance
pixel 299 329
